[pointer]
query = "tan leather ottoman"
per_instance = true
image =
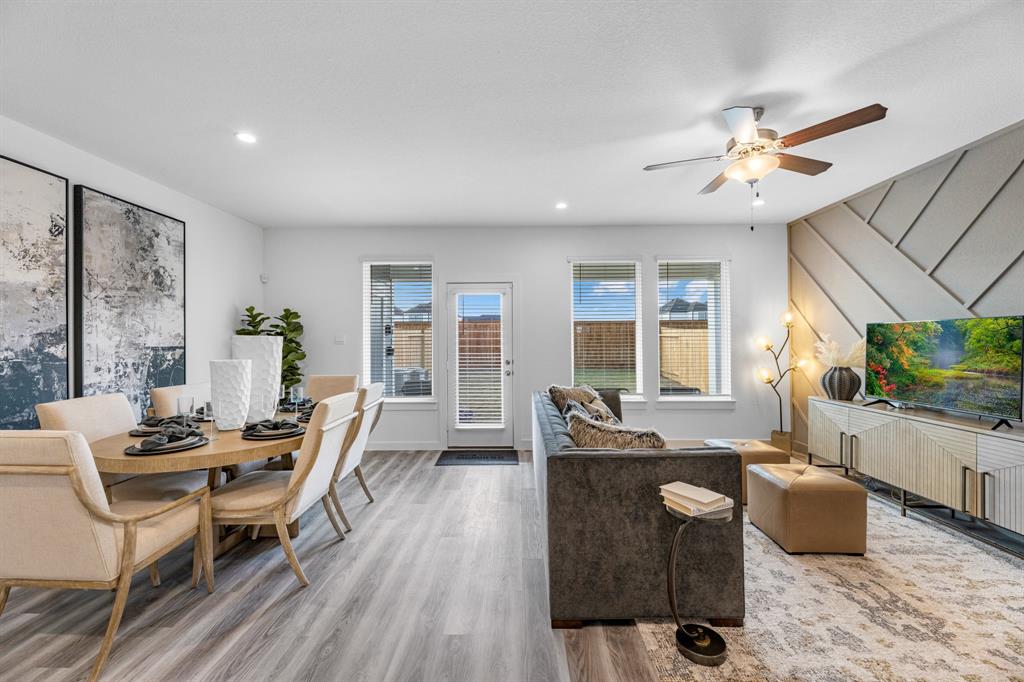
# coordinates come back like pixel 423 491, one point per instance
pixel 751 452
pixel 807 509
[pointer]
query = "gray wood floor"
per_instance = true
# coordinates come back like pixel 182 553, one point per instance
pixel 439 580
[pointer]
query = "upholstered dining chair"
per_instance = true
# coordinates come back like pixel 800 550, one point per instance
pixel 278 497
pixel 96 417
pixel 58 530
pixel 322 386
pixel 369 406
pixel 100 416
pixel 165 398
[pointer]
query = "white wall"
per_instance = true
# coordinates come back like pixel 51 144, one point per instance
pixel 224 254
pixel 318 273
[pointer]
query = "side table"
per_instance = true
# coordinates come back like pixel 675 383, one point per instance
pixel 699 643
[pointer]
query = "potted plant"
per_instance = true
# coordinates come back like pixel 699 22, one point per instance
pixel 840 381
pixel 276 352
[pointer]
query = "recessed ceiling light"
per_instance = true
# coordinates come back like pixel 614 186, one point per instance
pixel 561 206
pixel 245 137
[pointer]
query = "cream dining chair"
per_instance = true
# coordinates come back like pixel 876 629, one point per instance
pixel 369 406
pixel 279 497
pixel 165 398
pixel 58 531
pixel 322 386
pixel 100 416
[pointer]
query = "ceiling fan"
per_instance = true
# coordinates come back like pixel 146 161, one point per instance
pixel 755 152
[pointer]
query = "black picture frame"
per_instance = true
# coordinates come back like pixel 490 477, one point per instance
pixel 80 237
pixel 67 278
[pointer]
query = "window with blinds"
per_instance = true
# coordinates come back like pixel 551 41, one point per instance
pixel 479 394
pixel 606 337
pixel 693 328
pixel 398 322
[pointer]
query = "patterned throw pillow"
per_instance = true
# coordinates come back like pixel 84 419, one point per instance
pixel 560 395
pixel 574 407
pixel 597 409
pixel 588 433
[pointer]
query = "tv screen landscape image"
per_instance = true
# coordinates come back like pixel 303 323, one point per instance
pixel 968 365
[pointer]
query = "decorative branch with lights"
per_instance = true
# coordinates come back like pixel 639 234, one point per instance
pixel 765 373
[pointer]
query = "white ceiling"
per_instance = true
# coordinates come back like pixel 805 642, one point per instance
pixel 488 113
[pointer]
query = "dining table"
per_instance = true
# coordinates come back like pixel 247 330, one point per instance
pixel 225 449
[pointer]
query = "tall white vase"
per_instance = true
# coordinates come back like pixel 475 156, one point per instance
pixel 265 353
pixel 230 388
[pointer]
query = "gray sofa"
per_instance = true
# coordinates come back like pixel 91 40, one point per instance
pixel 607 533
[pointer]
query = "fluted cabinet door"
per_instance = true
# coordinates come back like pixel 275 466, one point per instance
pixel 1001 465
pixel 827 423
pixel 873 446
pixel 932 462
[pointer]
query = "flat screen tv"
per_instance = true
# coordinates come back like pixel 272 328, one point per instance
pixel 969 365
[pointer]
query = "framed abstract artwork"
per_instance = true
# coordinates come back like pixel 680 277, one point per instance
pixel 130 284
pixel 33 291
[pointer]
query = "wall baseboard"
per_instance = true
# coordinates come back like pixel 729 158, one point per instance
pixel 392 445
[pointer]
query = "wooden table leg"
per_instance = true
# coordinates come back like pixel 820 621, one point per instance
pixel 213 478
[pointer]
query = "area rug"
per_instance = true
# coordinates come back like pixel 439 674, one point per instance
pixel 925 603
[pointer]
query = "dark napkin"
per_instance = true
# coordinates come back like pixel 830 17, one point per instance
pixel 167 421
pixel 300 405
pixel 170 434
pixel 270 425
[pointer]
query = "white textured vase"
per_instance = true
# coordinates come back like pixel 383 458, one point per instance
pixel 230 387
pixel 265 353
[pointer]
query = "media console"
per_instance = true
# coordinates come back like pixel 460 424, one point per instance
pixel 954 461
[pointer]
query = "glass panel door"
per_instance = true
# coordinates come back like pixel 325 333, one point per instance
pixel 479 365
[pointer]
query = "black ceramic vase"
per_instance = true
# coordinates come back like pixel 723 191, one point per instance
pixel 840 383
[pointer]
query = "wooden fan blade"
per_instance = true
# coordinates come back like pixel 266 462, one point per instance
pixel 875 112
pixel 742 123
pixel 801 164
pixel 673 164
pixel 714 184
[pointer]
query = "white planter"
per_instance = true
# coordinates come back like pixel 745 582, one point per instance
pixel 230 387
pixel 265 353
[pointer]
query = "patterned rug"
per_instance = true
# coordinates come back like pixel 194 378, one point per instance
pixel 925 603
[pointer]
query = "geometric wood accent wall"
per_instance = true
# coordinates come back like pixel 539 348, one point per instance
pixel 943 240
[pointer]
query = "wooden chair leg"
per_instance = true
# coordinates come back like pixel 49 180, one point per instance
pixel 5 592
pixel 286 545
pixel 205 540
pixel 154 574
pixel 197 561
pixel 362 482
pixel 124 583
pixel 333 492
pixel 254 531
pixel 330 515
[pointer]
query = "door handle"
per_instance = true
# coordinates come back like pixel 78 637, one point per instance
pixel 853 450
pixel 983 497
pixel 508 372
pixel 963 488
pixel 842 444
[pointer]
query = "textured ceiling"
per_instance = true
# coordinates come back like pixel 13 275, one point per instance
pixel 487 113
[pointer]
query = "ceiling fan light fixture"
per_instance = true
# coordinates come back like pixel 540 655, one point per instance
pixel 752 168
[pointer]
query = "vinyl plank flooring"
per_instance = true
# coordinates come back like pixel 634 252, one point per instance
pixel 440 579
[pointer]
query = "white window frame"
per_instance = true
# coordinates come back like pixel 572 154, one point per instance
pixel 411 401
pixel 638 394
pixel 725 352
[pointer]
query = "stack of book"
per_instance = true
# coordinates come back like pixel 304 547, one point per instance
pixel 692 500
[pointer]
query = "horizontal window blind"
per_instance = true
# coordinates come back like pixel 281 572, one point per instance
pixel 693 328
pixel 606 326
pixel 398 323
pixel 480 392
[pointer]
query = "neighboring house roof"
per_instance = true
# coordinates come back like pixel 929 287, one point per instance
pixel 680 306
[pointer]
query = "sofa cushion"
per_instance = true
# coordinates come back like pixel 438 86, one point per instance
pixel 591 433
